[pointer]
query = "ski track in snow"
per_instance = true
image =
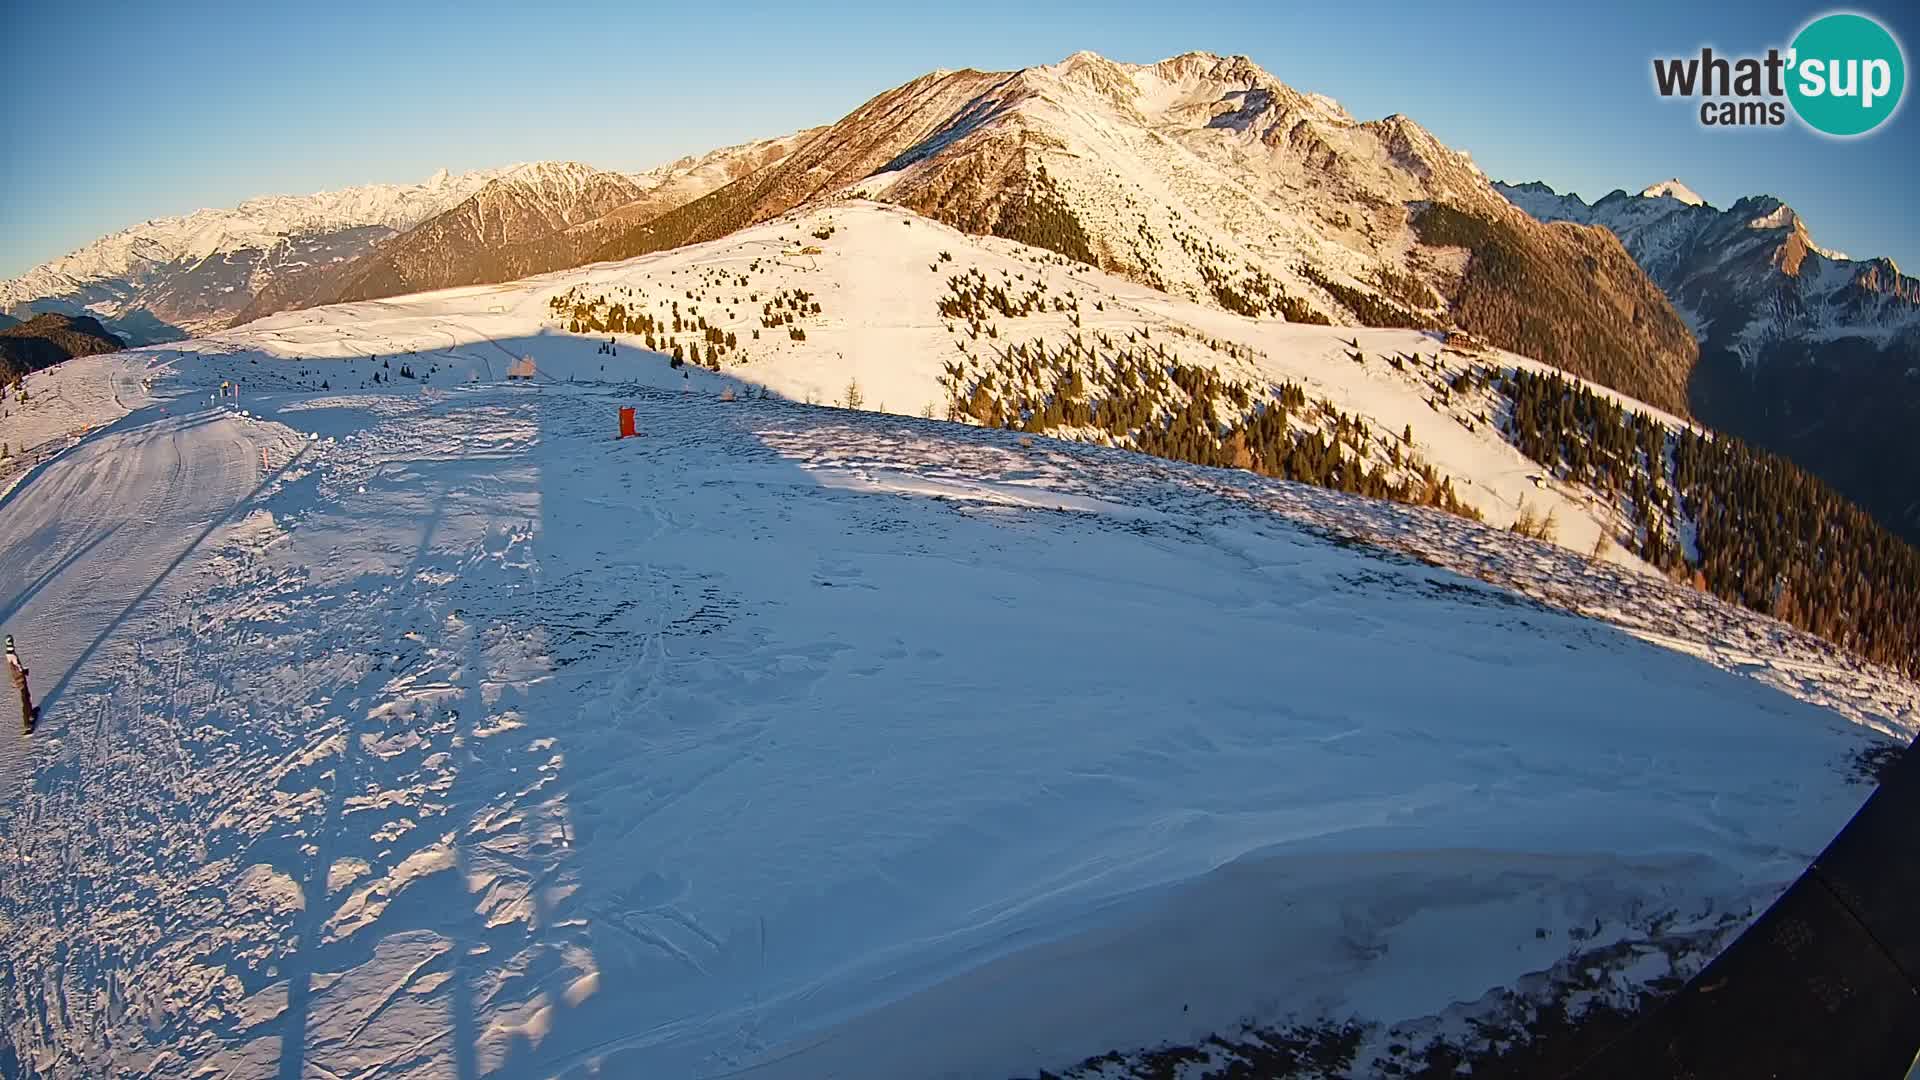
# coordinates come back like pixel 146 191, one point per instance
pixel 91 547
pixel 468 741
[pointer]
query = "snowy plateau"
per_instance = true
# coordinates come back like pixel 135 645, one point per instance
pixel 418 727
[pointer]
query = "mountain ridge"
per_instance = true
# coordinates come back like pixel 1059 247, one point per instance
pixel 1803 350
pixel 50 338
pixel 1209 178
pixel 1673 189
pixel 168 276
pixel 531 219
pixel 459 245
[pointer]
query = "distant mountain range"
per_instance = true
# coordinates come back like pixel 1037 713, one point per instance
pixel 170 278
pixel 1803 350
pixel 528 220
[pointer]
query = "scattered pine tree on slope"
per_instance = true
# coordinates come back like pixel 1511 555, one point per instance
pixel 1765 534
pixel 1143 397
pixel 1543 293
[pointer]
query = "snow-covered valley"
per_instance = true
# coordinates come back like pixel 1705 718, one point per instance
pixel 421 728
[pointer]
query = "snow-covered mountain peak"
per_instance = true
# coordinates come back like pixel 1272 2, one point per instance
pixel 549 171
pixel 1195 66
pixel 1767 212
pixel 1882 276
pixel 1725 261
pixel 1186 67
pixel 190 270
pixel 1673 189
pixel 1200 176
pixel 1086 60
pixel 1199 88
pixel 556 182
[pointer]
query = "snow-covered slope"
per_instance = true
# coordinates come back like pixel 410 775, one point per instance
pixel 880 275
pixel 1207 177
pixel 426 730
pixel 161 277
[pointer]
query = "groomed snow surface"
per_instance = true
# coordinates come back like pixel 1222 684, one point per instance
pixel 432 732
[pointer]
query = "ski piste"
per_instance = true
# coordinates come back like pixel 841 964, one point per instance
pixel 460 690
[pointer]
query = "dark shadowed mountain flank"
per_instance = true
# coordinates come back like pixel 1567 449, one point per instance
pixel 47 339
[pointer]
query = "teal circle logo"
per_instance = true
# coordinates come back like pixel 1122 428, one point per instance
pixel 1848 74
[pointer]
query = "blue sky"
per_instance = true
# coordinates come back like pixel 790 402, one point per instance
pixel 122 112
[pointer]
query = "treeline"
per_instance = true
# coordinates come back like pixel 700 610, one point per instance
pixel 1251 292
pixel 1371 310
pixel 1588 438
pixel 683 333
pixel 1778 540
pixel 1038 216
pixel 1570 296
pixel 783 307
pixel 1766 535
pixel 1142 396
pixel 974 297
pixel 48 339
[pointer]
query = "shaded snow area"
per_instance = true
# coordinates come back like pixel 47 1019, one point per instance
pixel 455 738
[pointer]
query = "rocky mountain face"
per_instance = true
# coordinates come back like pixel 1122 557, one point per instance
pixel 1803 351
pixel 1207 177
pixel 170 277
pixel 533 219
pixel 47 339
pixel 466 244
